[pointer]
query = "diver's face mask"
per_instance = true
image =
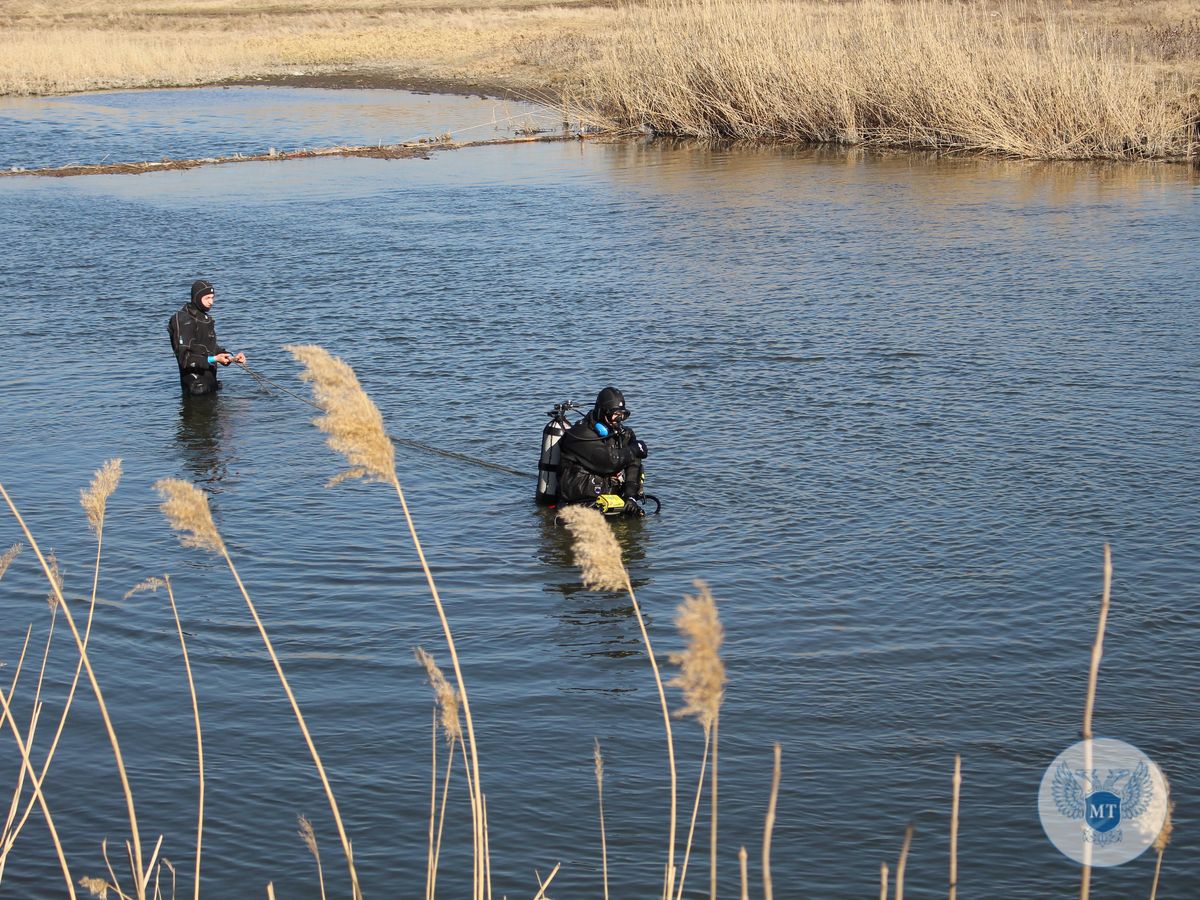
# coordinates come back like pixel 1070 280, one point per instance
pixel 616 416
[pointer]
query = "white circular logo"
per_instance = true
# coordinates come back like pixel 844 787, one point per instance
pixel 1102 802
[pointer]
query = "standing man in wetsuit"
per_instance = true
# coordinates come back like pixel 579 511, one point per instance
pixel 601 456
pixel 194 340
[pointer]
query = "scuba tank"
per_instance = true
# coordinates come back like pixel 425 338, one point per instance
pixel 547 486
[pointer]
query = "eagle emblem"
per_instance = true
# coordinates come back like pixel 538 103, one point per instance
pixel 1102 805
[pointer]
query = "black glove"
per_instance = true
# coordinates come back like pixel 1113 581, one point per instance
pixel 633 509
pixel 639 449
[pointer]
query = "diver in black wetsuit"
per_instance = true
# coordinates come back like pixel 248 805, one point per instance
pixel 601 456
pixel 194 340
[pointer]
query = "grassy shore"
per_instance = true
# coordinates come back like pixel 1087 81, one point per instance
pixel 1053 80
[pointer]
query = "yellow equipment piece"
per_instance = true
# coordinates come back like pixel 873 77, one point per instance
pixel 607 503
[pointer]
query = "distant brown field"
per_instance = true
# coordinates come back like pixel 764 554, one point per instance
pixel 1060 79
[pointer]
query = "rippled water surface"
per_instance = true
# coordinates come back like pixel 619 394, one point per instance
pixel 895 408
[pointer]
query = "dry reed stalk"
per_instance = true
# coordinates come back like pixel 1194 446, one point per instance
pixel 695 814
pixel 142 875
pixel 883 881
pixel 487 860
pixel 305 830
pixel 712 825
pixel 152 585
pixel 598 762
pixel 270 890
pixel 187 664
pixel 902 862
pixel 433 783
pixel 12 686
pixel 1160 845
pixel 769 826
pixel 598 555
pixel 10 833
pixel 1085 878
pixel 36 784
pixel 437 846
pixel 113 883
pixel 186 509
pixel 170 868
pixel 94 501
pixel 355 429
pixel 957 783
pixel 742 866
pixel 702 679
pixel 545 884
pixel 7 557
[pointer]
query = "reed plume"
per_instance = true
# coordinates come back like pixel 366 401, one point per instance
pixel 702 679
pixel 351 418
pixel 94 499
pixel 598 556
pixel 701 671
pixel 97 887
pixel 305 830
pixel 445 695
pixel 55 577
pixel 186 509
pixel 356 431
pixel 447 702
pixel 597 552
pixel 7 557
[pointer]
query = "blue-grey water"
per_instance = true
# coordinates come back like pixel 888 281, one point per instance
pixel 895 407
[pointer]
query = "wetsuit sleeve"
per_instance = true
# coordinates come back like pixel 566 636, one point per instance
pixel 632 463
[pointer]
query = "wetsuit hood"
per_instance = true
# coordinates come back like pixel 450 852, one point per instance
pixel 607 400
pixel 201 289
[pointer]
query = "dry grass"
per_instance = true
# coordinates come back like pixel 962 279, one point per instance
pixel 1024 81
pixel 81 45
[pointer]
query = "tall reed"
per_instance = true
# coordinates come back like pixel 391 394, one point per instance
pixel 598 556
pixel 186 509
pixel 1160 845
pixel 355 430
pixel 141 875
pixel 769 826
pixel 598 765
pixel 930 75
pixel 1089 705
pixel 956 784
pixel 309 837
pixel 152 585
pixel 702 679
pixel 902 862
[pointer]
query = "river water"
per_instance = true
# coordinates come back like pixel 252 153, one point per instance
pixel 895 407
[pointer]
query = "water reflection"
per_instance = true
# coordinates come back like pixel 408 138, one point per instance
pixel 204 436
pixel 596 611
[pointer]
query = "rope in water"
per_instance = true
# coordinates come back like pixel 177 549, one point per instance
pixel 266 384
